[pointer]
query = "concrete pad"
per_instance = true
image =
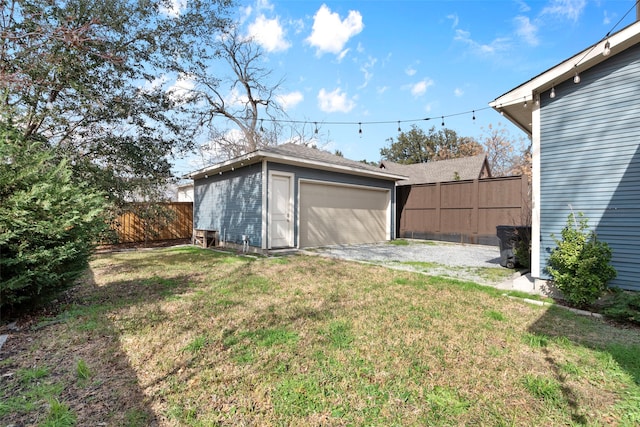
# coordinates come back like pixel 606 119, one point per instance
pixel 524 283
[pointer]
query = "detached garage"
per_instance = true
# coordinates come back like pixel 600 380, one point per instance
pixel 293 196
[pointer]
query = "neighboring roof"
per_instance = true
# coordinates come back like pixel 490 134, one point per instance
pixel 512 104
pixel 463 168
pixel 300 155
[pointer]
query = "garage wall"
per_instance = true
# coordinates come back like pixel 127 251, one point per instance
pixel 231 203
pixel 332 177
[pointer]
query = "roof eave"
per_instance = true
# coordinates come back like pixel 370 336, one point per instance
pixel 512 104
pixel 259 155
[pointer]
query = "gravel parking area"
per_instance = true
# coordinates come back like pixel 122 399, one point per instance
pixel 451 254
pixel 476 263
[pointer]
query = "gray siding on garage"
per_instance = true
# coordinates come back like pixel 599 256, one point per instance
pixel 231 203
pixel 334 177
pixel 590 160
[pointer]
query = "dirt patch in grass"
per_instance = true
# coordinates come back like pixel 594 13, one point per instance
pixel 187 336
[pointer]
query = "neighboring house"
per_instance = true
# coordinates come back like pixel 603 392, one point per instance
pixel 184 192
pixel 461 169
pixel 586 148
pixel 293 196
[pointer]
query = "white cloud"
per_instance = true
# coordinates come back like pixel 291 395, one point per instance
pixel 420 88
pixel 524 7
pixel 290 100
pixel 245 13
pixel 298 25
pixel 335 101
pixel 565 9
pixel 382 89
pixel 606 20
pixel 264 5
pixel 175 8
pixel 156 83
pixel 343 54
pixel 527 30
pixel 366 71
pixel 455 20
pixel 458 92
pixel 269 34
pixel 410 71
pixel 236 98
pixel 497 45
pixel 183 89
pixel 330 33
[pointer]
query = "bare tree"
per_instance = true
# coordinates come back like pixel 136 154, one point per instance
pixel 246 99
pixel 505 155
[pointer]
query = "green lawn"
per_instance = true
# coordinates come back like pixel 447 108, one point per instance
pixel 186 336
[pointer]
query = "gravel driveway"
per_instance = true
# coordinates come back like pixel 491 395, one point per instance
pixel 476 263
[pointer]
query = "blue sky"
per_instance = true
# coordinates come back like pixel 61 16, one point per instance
pixel 389 61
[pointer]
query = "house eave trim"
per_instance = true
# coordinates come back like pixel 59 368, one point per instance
pixel 260 155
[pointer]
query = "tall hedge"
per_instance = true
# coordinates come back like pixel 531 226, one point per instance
pixel 48 223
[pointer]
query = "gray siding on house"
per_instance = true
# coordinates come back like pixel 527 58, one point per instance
pixel 335 177
pixel 590 160
pixel 231 203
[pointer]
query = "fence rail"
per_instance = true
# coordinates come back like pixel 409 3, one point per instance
pixel 144 222
pixel 463 211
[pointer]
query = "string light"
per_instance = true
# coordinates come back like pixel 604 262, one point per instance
pixel 442 120
pixel 474 116
pixel 553 92
pixel 261 128
pixel 360 128
pixel 607 49
pixel 525 102
pixel 399 129
pixel 316 131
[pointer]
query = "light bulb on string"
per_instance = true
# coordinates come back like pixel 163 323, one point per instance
pixel 553 92
pixel 576 77
pixel 360 128
pixel 442 120
pixel 261 128
pixel 525 102
pixel 316 131
pixel 474 116
pixel 399 129
pixel 607 49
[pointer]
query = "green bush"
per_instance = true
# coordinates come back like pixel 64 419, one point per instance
pixel 580 264
pixel 48 223
pixel 622 306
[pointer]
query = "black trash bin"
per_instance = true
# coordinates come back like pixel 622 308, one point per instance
pixel 510 237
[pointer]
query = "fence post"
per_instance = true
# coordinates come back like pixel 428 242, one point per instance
pixel 475 214
pixel 438 206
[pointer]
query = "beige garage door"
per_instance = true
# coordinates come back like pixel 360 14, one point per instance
pixel 334 214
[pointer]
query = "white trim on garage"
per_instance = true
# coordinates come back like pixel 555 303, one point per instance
pixel 336 216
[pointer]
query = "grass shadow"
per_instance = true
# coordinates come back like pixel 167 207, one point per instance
pixel 616 353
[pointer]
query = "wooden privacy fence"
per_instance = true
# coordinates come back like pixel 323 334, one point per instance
pixel 463 211
pixel 144 222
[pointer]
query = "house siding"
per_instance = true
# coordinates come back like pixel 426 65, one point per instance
pixel 231 203
pixel 590 161
pixel 334 177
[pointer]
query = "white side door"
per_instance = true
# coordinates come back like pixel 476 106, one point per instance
pixel 281 211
